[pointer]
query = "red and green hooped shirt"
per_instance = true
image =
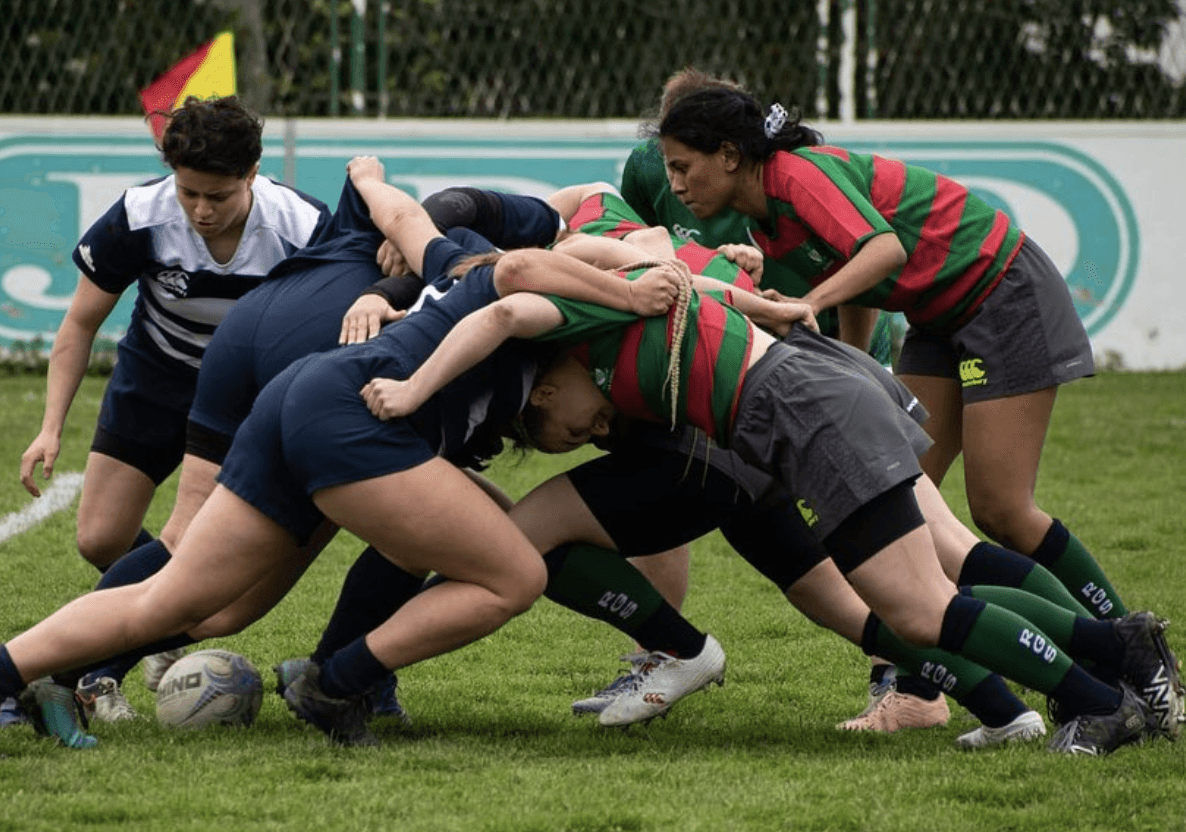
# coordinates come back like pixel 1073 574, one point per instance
pixel 825 202
pixel 628 359
pixel 608 215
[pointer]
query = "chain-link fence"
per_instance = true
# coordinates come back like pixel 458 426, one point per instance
pixel 847 59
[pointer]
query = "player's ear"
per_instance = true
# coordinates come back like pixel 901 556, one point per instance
pixel 250 177
pixel 730 156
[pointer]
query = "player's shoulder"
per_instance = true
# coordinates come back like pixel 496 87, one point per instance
pixel 292 214
pixel 647 148
pixel 152 204
pixel 647 159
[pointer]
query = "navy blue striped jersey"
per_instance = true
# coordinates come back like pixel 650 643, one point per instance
pixel 184 293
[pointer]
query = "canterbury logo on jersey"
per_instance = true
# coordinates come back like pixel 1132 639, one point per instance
pixel 972 372
pixel 683 233
pixel 175 283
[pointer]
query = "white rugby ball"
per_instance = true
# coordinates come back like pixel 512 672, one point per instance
pixel 209 687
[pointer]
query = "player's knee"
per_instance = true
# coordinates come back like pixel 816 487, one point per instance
pixel 1000 519
pixel 453 207
pixel 97 547
pixel 527 586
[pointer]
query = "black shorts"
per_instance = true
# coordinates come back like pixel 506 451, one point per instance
pixel 659 490
pixel 142 419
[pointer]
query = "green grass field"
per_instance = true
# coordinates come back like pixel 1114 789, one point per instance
pixel 493 746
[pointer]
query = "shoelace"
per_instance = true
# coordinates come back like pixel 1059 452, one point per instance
pixel 651 663
pixel 1073 731
pixel 634 661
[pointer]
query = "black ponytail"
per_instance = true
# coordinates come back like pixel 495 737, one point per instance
pixel 707 119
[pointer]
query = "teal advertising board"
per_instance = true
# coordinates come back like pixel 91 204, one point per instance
pixel 53 186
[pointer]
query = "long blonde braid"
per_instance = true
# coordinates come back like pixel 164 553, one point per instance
pixel 679 324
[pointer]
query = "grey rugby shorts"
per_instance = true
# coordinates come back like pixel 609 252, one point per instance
pixel 1025 336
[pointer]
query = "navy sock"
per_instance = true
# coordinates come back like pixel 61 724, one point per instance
pixel 1097 641
pixel 143 538
pixel 879 671
pixel 373 590
pixel 11 682
pixel 1082 693
pixel 917 686
pixel 992 702
pixel 989 564
pixel 353 670
pixel 958 621
pixel 138 564
pixel 71 678
pixel 668 631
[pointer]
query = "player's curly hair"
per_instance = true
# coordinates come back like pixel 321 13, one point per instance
pixel 687 81
pixel 216 135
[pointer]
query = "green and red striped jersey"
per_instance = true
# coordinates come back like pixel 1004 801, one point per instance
pixel 628 359
pixel 825 202
pixel 608 215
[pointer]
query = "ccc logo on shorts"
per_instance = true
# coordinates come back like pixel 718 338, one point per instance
pixel 972 372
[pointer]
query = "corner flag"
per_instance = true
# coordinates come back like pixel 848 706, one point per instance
pixel 208 72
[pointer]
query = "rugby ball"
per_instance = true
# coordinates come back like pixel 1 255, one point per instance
pixel 209 687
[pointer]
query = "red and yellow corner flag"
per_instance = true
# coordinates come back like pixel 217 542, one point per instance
pixel 206 73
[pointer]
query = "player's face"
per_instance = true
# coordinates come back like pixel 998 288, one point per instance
pixel 215 204
pixel 571 408
pixel 702 181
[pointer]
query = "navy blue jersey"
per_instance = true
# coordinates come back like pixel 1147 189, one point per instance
pixel 299 310
pixel 310 428
pixel 184 293
pixel 463 419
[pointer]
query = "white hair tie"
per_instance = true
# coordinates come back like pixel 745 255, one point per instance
pixel 775 121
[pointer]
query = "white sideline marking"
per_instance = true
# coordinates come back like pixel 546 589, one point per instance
pixel 61 492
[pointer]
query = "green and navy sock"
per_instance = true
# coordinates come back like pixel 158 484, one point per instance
pixel 1005 642
pixel 942 670
pixel 601 584
pixel 1063 554
pixel 989 564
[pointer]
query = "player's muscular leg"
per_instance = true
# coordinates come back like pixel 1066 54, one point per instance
pixel 667 572
pixel 554 513
pixel 943 400
pixel 827 599
pixel 115 498
pixel 904 584
pixel 195 484
pixel 1003 441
